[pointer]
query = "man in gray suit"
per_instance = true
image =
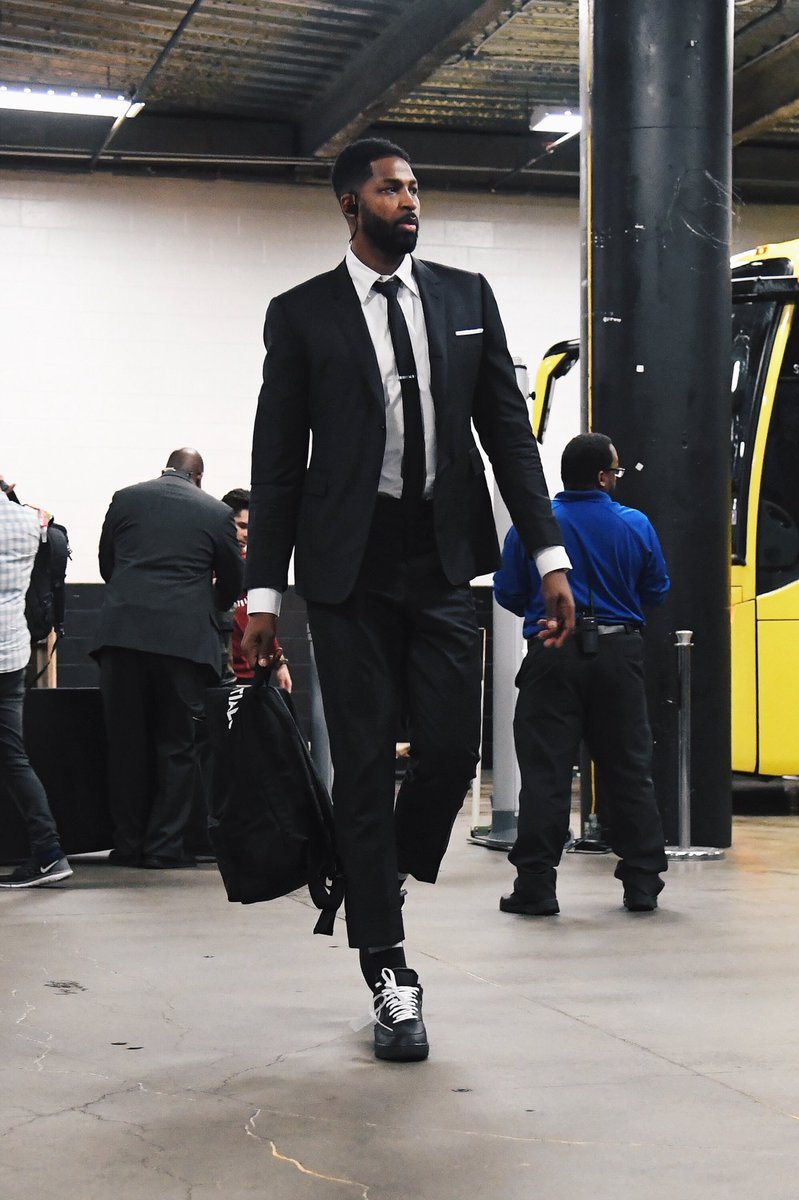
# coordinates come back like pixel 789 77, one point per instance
pixel 171 562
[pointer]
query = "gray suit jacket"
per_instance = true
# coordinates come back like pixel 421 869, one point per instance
pixel 162 543
pixel 321 379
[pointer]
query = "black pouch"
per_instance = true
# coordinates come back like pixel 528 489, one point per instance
pixel 587 634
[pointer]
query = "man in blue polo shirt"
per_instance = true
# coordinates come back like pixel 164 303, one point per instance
pixel 593 688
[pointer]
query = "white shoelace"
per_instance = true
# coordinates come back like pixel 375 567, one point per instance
pixel 401 1001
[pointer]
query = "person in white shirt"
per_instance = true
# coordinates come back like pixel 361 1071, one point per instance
pixel 19 541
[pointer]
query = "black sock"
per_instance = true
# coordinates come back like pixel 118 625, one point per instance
pixel 373 962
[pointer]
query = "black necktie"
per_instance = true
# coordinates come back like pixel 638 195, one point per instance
pixel 413 459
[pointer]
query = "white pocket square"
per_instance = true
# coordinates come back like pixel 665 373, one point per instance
pixel 467 332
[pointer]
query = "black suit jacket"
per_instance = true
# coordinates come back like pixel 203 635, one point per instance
pixel 162 543
pixel 322 383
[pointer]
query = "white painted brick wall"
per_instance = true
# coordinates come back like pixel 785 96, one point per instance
pixel 131 313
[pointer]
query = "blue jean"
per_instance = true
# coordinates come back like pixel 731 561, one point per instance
pixel 17 776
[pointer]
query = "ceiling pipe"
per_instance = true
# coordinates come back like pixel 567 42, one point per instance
pixel 144 86
pixel 550 148
pixel 766 16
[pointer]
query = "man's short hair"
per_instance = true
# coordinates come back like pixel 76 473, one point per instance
pixel 584 457
pixel 237 499
pixel 354 165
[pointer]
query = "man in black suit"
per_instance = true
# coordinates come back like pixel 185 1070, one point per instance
pixel 385 362
pixel 171 562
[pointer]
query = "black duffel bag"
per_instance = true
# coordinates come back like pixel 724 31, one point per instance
pixel 273 832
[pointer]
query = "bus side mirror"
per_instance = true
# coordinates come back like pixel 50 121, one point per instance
pixel 556 363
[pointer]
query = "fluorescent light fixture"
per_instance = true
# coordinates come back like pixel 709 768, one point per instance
pixel 88 104
pixel 565 121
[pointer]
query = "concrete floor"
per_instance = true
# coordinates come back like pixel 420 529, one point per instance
pixel 159 1042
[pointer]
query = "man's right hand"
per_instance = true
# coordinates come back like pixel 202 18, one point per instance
pixel 258 643
pixel 558 625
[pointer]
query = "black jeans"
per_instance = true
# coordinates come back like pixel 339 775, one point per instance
pixel 16 773
pixel 565 696
pixel 405 642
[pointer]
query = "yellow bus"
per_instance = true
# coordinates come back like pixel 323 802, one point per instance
pixel 764 448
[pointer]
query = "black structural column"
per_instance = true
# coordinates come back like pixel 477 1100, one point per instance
pixel 657 90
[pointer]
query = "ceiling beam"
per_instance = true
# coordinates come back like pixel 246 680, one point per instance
pixel 211 136
pixel 393 64
pixel 175 136
pixel 454 149
pixel 266 150
pixel 767 172
pixel 165 138
pixel 766 91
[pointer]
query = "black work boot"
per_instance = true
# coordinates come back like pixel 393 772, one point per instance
pixel 641 892
pixel 529 906
pixel 533 895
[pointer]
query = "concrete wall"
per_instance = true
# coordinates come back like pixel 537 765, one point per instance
pixel 132 309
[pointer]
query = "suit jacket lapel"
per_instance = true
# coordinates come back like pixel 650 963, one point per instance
pixel 435 319
pixel 349 317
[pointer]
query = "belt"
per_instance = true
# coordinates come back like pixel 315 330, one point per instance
pixel 618 629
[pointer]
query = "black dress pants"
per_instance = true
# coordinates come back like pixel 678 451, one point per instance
pixel 405 642
pixel 154 706
pixel 565 696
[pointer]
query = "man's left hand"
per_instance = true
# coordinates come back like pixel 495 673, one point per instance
pixel 559 624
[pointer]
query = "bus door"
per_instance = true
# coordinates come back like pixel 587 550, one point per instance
pixel 765 518
pixel 777 561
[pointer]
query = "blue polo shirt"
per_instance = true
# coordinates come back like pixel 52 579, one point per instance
pixel 614 552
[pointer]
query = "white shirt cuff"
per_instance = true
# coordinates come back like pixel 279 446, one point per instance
pixel 263 600
pixel 550 558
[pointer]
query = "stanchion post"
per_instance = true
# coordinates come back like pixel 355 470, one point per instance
pixel 684 850
pixel 683 644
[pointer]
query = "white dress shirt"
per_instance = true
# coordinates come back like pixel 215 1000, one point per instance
pixel 19 541
pixel 375 310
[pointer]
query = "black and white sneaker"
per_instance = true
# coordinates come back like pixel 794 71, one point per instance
pixel 33 873
pixel 400 1035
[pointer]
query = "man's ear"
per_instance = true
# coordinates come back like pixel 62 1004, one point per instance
pixel 349 204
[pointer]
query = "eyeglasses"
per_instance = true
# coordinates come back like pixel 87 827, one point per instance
pixel 617 471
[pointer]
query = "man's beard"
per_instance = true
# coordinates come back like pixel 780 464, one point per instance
pixel 386 235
